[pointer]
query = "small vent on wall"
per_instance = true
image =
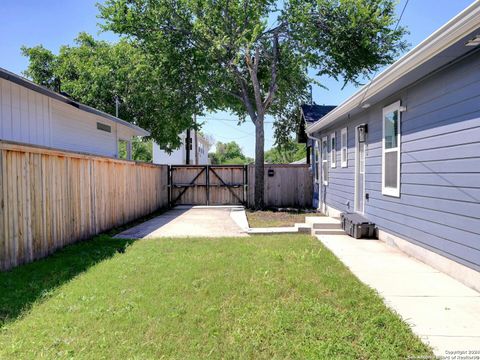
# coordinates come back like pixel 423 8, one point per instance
pixel 104 127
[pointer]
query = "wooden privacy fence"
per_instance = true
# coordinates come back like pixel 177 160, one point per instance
pixel 207 184
pixel 51 198
pixel 288 185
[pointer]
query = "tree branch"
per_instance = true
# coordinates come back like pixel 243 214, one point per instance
pixel 253 70
pixel 273 80
pixel 248 102
pixel 231 93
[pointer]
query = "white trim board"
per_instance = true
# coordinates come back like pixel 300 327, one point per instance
pixel 395 107
pixel 356 169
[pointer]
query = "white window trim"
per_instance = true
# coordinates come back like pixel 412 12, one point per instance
pixel 388 109
pixel 344 161
pixel 333 151
pixel 324 159
pixel 317 161
pixel 357 170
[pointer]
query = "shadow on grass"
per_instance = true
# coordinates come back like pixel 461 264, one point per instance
pixel 24 285
pixel 121 228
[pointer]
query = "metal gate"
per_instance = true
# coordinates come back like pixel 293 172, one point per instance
pixel 208 184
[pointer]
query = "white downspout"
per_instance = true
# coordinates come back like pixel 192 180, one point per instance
pixel 316 167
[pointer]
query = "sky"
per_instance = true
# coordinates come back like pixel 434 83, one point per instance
pixel 53 23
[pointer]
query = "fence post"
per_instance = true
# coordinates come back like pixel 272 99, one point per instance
pixel 169 185
pixel 208 184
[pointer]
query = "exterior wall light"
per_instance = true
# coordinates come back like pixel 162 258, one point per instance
pixel 473 42
pixel 362 133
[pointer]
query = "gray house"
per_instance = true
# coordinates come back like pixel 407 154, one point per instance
pixel 311 113
pixel 404 151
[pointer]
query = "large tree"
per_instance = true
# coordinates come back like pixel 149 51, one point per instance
pixel 251 56
pixel 97 73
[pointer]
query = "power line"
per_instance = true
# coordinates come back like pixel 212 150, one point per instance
pixel 401 14
pixel 233 138
pixel 376 72
pixel 236 128
pixel 229 120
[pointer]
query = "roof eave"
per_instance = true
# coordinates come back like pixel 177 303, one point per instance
pixel 19 80
pixel 457 28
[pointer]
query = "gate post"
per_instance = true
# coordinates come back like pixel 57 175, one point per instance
pixel 208 184
pixel 169 182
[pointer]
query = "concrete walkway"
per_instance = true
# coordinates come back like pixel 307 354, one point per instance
pixel 190 221
pixel 441 311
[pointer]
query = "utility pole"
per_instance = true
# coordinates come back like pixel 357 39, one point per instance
pixel 196 139
pixel 188 147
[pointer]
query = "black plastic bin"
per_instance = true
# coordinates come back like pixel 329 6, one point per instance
pixel 357 226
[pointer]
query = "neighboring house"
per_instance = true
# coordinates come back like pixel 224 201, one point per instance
pixel 404 151
pixel 309 114
pixel 33 114
pixel 179 156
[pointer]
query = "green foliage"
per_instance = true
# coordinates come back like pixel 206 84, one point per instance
pixel 285 154
pixel 142 150
pixel 122 149
pixel 226 49
pixel 42 67
pixel 345 39
pixel 228 154
pixel 250 57
pixel 96 72
pixel 257 297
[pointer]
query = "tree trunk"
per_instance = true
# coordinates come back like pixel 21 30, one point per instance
pixel 259 163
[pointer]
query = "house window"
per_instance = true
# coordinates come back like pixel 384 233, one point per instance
pixel 344 147
pixel 324 151
pixel 391 150
pixel 333 151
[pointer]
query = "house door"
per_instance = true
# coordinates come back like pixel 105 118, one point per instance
pixel 360 141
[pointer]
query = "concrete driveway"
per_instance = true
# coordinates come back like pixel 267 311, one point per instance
pixel 192 221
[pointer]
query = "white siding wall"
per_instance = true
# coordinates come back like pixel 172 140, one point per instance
pixel 178 157
pixel 33 118
pixel 24 115
pixel 202 156
pixel 76 130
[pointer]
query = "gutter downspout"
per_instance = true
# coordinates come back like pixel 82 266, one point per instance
pixel 320 183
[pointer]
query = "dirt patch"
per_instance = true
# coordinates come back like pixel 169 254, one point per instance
pixel 276 218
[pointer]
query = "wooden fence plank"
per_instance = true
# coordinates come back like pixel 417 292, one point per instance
pixel 2 214
pixel 290 186
pixel 51 198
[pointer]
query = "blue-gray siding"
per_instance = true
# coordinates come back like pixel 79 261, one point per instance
pixel 439 206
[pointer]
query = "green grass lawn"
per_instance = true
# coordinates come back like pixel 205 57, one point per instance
pixel 231 298
pixel 258 219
